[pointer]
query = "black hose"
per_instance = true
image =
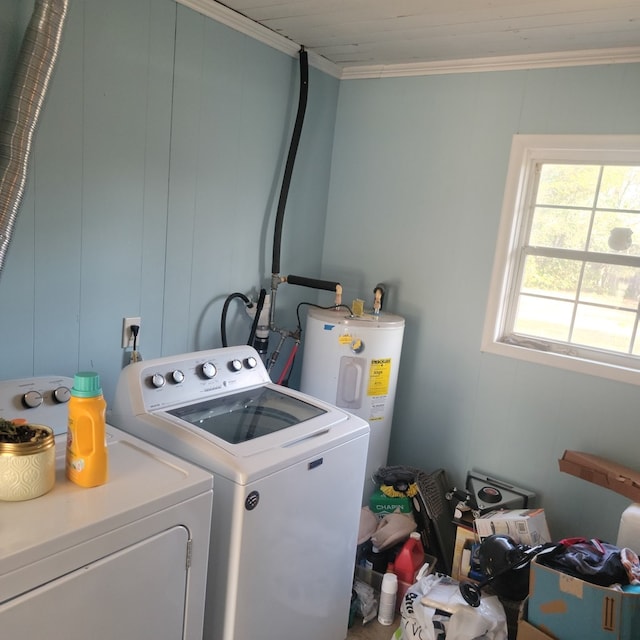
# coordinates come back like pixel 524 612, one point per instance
pixel 293 148
pixel 254 325
pixel 223 318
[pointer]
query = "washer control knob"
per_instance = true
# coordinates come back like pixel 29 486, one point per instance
pixel 157 380
pixel 251 363
pixel 235 365
pixel 177 376
pixel 32 399
pixel 61 395
pixel 209 370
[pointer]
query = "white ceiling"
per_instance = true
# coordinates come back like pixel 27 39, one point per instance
pixel 374 37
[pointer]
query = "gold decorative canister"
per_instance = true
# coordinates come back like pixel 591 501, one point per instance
pixel 28 469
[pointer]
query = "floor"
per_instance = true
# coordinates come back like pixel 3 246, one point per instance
pixel 372 630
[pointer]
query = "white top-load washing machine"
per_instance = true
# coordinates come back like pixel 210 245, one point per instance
pixel 123 560
pixel 288 471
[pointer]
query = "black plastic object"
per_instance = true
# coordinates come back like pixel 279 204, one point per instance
pixel 506 565
pixel 434 516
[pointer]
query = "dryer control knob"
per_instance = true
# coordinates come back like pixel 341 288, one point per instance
pixel 61 395
pixel 251 363
pixel 32 399
pixel 209 370
pixel 157 380
pixel 235 365
pixel 177 376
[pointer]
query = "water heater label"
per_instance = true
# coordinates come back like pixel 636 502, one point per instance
pixel 377 408
pixel 379 375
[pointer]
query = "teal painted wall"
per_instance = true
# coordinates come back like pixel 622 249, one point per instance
pixel 417 178
pixel 153 186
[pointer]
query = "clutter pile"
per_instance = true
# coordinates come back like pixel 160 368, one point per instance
pixel 500 575
pixel 585 588
pixel 391 554
pixel 394 575
pixel 408 532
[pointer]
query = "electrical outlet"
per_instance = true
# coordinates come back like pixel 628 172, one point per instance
pixel 127 336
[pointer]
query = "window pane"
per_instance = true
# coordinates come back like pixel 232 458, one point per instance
pixel 615 232
pixel 551 276
pixel 620 188
pixel 611 285
pixel 561 228
pixel 603 328
pixel 543 318
pixel 567 184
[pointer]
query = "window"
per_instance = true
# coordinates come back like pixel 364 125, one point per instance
pixel 565 289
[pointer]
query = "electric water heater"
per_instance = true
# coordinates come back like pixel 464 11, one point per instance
pixel 352 362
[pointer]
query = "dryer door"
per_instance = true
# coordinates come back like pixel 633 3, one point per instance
pixel 138 592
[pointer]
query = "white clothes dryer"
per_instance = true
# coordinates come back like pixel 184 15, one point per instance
pixel 123 560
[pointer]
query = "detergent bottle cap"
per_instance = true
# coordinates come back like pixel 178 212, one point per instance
pixel 86 384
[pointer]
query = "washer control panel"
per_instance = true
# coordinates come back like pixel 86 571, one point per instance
pixel 38 400
pixel 174 380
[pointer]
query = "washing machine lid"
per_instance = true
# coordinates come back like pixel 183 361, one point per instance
pixel 247 414
pixel 285 439
pixel 256 425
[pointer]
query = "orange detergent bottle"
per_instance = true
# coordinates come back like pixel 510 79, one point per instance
pixel 87 457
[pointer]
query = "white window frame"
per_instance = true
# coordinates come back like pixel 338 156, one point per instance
pixel 526 151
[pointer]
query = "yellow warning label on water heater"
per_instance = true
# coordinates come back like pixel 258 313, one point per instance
pixel 379 374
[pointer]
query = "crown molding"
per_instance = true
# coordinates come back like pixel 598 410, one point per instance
pixel 238 22
pixel 498 63
pixel 241 23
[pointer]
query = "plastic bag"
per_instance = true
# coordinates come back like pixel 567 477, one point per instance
pixel 434 609
pixel 367 603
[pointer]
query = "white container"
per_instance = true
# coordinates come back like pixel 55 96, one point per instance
pixel 353 363
pixel 629 529
pixel 388 594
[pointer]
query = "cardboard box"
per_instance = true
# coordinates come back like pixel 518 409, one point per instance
pixel 465 539
pixel 382 505
pixel 465 566
pixel 572 609
pixel 526 631
pixel 525 526
pixel 607 474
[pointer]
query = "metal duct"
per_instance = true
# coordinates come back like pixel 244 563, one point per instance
pixel 35 65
